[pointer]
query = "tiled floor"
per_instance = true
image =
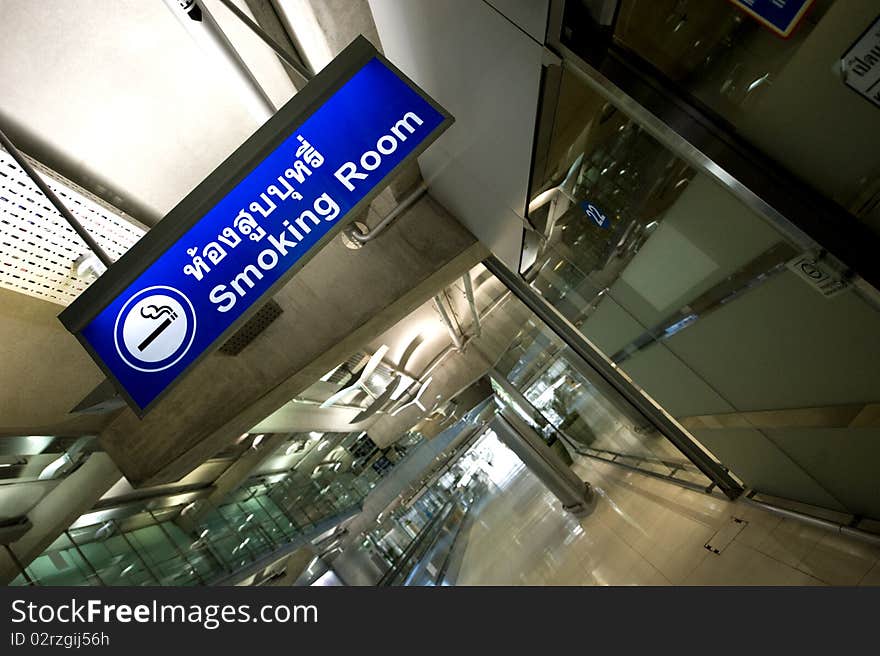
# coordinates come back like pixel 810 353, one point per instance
pixel 649 532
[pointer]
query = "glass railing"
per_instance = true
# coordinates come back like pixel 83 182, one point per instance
pixel 399 573
pixel 411 542
pixel 152 548
pixel 442 560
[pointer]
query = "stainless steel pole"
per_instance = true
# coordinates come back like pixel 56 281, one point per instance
pixel 577 496
pixel 469 292
pixel 453 333
pixel 56 202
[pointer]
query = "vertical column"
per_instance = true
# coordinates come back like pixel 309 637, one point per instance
pixel 577 497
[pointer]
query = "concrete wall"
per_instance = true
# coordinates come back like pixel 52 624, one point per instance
pixel 44 372
pixel 145 115
pixel 72 497
pixel 341 300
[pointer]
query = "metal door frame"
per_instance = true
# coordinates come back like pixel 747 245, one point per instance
pixel 711 145
pixel 603 368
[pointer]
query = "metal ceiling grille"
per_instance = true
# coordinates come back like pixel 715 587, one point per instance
pixel 37 246
pixel 252 328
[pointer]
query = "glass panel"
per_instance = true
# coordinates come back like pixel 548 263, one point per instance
pixel 200 563
pixel 162 556
pixel 561 402
pixel 784 95
pixel 60 564
pixel 111 556
pixel 150 547
pixel 695 297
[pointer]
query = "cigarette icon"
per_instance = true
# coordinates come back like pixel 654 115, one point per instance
pixel 153 312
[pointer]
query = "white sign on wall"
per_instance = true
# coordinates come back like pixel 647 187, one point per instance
pixel 860 64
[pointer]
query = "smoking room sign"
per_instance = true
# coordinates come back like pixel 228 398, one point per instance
pixel 196 277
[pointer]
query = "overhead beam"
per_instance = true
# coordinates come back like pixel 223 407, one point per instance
pixel 231 479
pixel 45 371
pixel 340 301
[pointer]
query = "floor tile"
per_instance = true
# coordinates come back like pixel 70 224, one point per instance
pixel 872 577
pixel 677 548
pixel 645 531
pixel 742 565
pixel 760 524
pixel 790 541
pixel 839 561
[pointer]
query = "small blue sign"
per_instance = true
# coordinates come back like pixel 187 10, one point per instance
pixel 187 298
pixel 781 16
pixel 596 215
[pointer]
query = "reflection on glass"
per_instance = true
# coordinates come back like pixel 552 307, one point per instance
pixel 692 295
pixel 785 95
pixel 566 408
pixel 577 411
pixel 412 544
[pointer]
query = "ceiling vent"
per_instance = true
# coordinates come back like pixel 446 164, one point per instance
pixel 38 249
pixel 252 328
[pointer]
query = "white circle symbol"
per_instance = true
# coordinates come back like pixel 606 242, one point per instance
pixel 154 329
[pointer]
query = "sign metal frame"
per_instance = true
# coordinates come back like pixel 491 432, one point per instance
pixel 217 185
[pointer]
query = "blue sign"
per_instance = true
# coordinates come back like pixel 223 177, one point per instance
pixel 781 16
pixel 181 304
pixel 596 215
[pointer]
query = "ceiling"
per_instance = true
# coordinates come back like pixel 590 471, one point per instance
pixel 124 103
pixel 126 95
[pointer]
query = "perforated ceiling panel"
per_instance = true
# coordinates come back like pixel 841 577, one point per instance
pixel 37 246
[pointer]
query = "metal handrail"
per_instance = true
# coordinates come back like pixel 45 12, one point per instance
pixel 431 529
pixel 590 355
